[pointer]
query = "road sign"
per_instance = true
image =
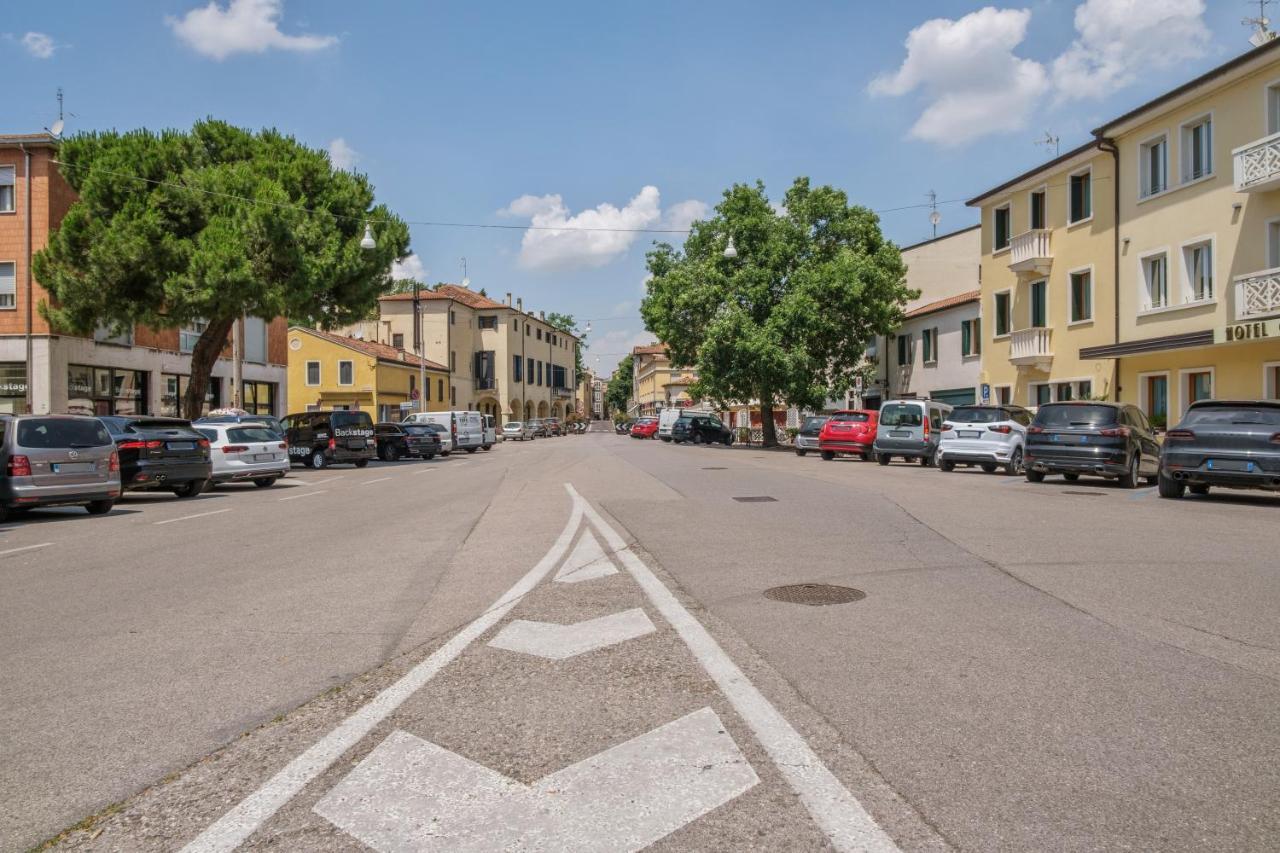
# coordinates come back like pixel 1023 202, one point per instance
pixel 986 393
pixel 413 395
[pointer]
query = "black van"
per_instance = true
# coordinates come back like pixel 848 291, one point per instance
pixel 327 438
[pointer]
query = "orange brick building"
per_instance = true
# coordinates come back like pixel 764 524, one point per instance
pixel 144 371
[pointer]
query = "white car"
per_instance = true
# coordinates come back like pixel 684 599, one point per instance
pixel 987 436
pixel 245 451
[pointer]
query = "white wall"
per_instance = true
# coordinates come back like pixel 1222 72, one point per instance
pixel 950 371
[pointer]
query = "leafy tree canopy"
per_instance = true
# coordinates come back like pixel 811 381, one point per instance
pixel 787 320
pixel 177 227
pixel 619 389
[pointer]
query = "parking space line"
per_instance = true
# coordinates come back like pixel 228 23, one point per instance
pixel 378 480
pixel 306 495
pixel 189 517
pixel 422 471
pixel 25 548
pixel 319 482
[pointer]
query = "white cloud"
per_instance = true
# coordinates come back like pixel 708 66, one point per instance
pixel 682 214
pixel 244 26
pixel 342 155
pixel 968 71
pixel 39 45
pixel 611 346
pixel 411 267
pixel 1119 39
pixel 551 248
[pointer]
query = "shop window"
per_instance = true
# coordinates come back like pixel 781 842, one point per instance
pixel 1272 381
pixel 1155 399
pixel 259 398
pixel 173 390
pixel 1041 394
pixel 1196 385
pixel 106 391
pixel 13 386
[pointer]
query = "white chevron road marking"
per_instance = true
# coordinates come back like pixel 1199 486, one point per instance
pixel 558 642
pixel 587 561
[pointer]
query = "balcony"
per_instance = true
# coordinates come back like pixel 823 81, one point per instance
pixel 1029 252
pixel 562 392
pixel 1031 348
pixel 1257 295
pixel 1257 165
pixel 486 383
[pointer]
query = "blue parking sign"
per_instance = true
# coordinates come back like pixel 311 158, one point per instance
pixel 986 393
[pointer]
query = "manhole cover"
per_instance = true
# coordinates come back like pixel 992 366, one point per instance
pixel 756 499
pixel 815 594
pixel 1083 494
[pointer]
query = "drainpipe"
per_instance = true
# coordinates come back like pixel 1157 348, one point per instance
pixel 26 165
pixel 1107 144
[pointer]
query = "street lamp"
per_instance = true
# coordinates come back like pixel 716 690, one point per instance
pixel 367 242
pixel 730 250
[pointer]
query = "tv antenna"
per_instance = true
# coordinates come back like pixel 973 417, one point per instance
pixel 1261 24
pixel 56 130
pixel 1049 139
pixel 466 282
pixel 934 216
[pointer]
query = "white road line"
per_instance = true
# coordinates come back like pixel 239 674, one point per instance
pixel 189 517
pixel 422 471
pixel 318 482
pixel 25 548
pixel 233 828
pixel 306 495
pixel 379 480
pixel 846 823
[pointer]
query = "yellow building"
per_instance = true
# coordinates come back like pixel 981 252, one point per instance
pixel 1048 281
pixel 1199 240
pixel 656 385
pixel 331 371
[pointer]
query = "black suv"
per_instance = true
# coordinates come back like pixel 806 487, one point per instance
pixel 160 453
pixel 327 438
pixel 1112 440
pixel 397 440
pixel 701 429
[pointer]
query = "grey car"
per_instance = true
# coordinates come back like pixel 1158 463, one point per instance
pixel 517 431
pixel 807 437
pixel 57 460
pixel 911 429
pixel 1231 443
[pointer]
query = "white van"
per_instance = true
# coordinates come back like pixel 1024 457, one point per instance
pixel 490 431
pixel 667 419
pixel 465 428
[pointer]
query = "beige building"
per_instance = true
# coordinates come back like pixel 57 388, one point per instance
pixel 656 385
pixel 502 360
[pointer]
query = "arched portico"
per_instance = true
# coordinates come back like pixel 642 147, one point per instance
pixel 516 411
pixel 529 411
pixel 544 410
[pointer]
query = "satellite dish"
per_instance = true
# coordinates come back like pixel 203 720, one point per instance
pixel 56 130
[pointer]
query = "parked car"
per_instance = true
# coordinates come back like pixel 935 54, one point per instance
pixel 701 429
pixel 539 428
pixel 1112 440
pixel 645 428
pixel 667 419
pixel 160 453
pixel 554 427
pixel 446 440
pixel 228 416
pixel 986 436
pixel 396 441
pixel 849 431
pixel 245 451
pixel 517 431
pixel 338 437
pixel 465 428
pixel 910 429
pixel 1231 443
pixel 57 460
pixel 623 427
pixel 807 437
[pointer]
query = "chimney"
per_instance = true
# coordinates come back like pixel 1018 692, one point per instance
pixel 542 315
pixel 400 354
pixel 508 298
pixel 520 304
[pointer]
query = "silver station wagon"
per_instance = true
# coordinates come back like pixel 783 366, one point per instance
pixel 55 460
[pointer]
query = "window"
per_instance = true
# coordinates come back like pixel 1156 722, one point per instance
pixel 105 334
pixel 1037 209
pixel 7 183
pixel 1197 149
pixel 346 373
pixel 1081 197
pixel 1155 275
pixel 188 335
pixel 255 340
pixel 313 373
pixel 1040 303
pixel 540 373
pixel 453 360
pixel 440 390
pixel 489 321
pixel 397 340
pixel 539 334
pixel 8 285
pixel 904 349
pixel 1270 380
pixel 1273 109
pixel 1000 239
pixel 1153 166
pixel 1081 296
pixel 1002 314
pixel 1196 385
pixel 1041 394
pixel 453 319
pixel 1197 263
pixel 1273 244
pixel 1154 398
pixel 1084 389
pixel 929 345
pixel 453 395
pixel 526 330
pixel 1004 394
pixel 517 369
pixel 970 337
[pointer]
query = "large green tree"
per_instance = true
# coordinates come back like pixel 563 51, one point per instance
pixel 619 389
pixel 178 228
pixel 786 320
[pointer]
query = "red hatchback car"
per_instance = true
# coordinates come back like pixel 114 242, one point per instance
pixel 645 428
pixel 852 431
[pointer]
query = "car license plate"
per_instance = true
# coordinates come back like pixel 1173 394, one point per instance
pixel 1230 465
pixel 356 444
pixel 263 457
pixel 968 433
pixel 181 445
pixel 72 467
pixel 900 433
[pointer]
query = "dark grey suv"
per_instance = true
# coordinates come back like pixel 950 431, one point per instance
pixel 1112 440
pixel 1231 443
pixel 57 460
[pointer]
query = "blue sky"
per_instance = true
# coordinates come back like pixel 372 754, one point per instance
pixel 484 113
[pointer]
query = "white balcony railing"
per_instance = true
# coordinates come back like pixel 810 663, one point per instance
pixel 1031 347
pixel 1029 252
pixel 1257 295
pixel 1257 165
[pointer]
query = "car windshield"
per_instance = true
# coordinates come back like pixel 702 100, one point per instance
pixel 211 434
pixel 977 415
pixel 1076 416
pixel 514 425
pixel 433 427
pixel 1232 415
pixel 851 417
pixel 900 415
pixel 61 432
pixel 251 433
pixel 417 429
pixel 343 420
pixel 813 423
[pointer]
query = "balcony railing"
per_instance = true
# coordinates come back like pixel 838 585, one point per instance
pixel 1257 165
pixel 1031 348
pixel 1029 252
pixel 1257 295
pixel 562 391
pixel 483 384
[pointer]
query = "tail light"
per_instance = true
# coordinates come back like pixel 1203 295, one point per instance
pixel 1115 432
pixel 333 445
pixel 202 442
pixel 1035 430
pixel 1004 429
pixel 284 445
pixel 19 466
pixel 153 444
pixel 1188 435
pixel 113 466
pixel 926 429
pixel 1276 438
pixel 234 448
pixel 947 426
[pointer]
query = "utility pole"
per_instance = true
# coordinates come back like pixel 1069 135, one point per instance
pixel 934 216
pixel 418 347
pixel 237 363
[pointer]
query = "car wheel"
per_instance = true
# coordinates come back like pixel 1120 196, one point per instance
pixel 882 458
pixel 1151 481
pixel 728 441
pixel 1198 489
pixel 487 447
pixel 472 449
pixel 1071 478
pixel 265 482
pixel 828 455
pixel 1034 476
pixel 360 463
pixel 428 456
pixel 191 489
pixel 697 438
pixel 99 507
pixel 317 460
pixel 989 467
pixel 1169 487
pixel 384 453
pixel 947 466
pixel 1014 467
pixel 926 460
pixel 445 452
pixel 1129 479
pixel 799 452
pixel 863 457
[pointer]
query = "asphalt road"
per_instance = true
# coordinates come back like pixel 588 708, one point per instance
pixel 565 644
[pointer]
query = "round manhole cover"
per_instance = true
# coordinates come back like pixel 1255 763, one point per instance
pixel 815 594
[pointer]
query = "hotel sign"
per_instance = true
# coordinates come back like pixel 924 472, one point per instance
pixel 1238 333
